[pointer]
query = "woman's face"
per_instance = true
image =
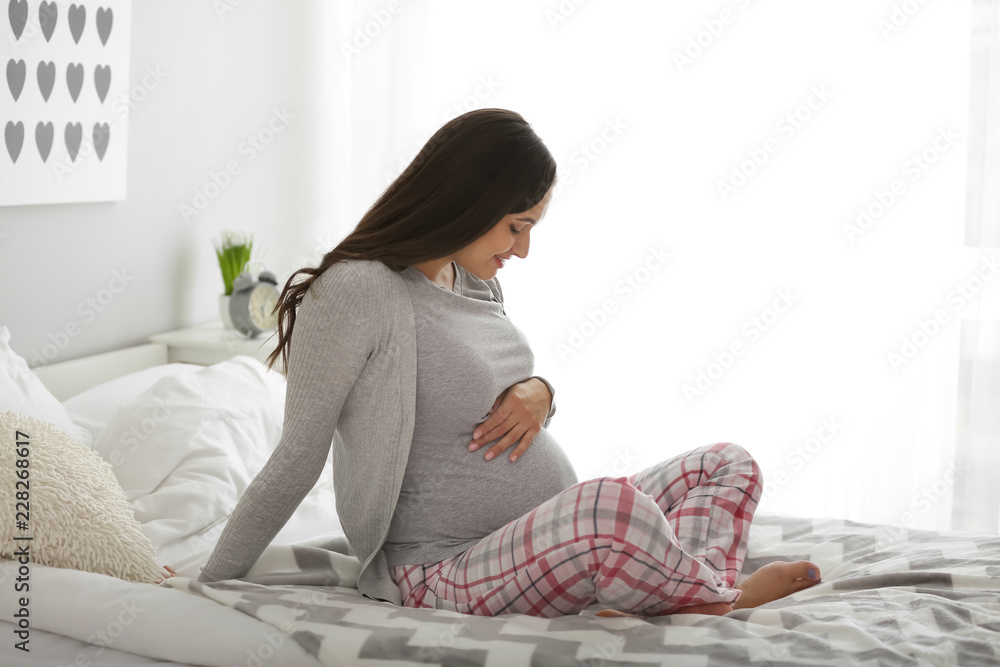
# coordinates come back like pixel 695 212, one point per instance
pixel 510 236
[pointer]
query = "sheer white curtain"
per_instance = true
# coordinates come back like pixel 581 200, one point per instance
pixel 759 232
pixel 977 499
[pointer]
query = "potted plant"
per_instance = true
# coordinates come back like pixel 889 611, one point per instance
pixel 233 251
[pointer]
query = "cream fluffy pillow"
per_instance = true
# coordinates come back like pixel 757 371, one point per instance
pixel 78 516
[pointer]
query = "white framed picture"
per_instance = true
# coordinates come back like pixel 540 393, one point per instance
pixel 64 101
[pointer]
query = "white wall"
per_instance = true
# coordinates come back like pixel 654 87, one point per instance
pixel 220 78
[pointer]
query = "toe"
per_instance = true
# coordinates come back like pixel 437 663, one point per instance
pixel 803 569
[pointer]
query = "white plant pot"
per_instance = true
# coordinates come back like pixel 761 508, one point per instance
pixel 227 322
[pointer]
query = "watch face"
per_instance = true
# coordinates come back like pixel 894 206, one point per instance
pixel 262 301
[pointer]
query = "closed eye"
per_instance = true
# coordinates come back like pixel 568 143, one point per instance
pixel 513 229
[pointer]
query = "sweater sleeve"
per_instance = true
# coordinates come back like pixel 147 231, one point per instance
pixel 552 409
pixel 331 341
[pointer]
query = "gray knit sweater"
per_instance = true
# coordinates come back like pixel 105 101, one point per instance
pixel 351 381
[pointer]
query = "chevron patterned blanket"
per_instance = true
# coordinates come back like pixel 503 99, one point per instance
pixel 889 596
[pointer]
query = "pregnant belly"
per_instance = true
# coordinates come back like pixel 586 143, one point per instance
pixel 455 494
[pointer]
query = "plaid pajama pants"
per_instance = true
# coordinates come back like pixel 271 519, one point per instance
pixel 664 538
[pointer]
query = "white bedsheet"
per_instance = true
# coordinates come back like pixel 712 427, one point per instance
pixel 51 650
pixel 143 619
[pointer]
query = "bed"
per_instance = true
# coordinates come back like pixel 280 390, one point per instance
pixel 195 436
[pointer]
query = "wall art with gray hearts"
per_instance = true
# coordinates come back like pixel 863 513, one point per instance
pixel 65 99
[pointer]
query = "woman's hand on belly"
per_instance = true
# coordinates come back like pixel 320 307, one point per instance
pixel 517 416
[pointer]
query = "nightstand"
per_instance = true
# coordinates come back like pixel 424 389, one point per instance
pixel 209 343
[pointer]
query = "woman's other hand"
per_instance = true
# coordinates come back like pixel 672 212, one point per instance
pixel 516 417
pixel 168 569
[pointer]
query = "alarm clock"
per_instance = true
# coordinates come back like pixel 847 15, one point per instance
pixel 252 303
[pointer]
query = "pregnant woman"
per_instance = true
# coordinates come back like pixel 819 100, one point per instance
pixel 398 352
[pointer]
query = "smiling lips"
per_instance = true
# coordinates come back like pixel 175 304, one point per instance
pixel 499 260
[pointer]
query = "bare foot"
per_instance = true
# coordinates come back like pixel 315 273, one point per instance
pixel 776 580
pixel 770 582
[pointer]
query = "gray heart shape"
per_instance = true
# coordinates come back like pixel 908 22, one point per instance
pixel 46 78
pixel 77 19
pixel 102 80
pixel 102 133
pixel 74 79
pixel 74 135
pixel 13 134
pixel 48 14
pixel 16 73
pixel 104 21
pixel 43 139
pixel 17 12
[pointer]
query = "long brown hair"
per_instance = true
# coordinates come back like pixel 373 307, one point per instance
pixel 476 169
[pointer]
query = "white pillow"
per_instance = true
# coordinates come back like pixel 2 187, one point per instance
pixel 94 408
pixel 186 449
pixel 73 508
pixel 22 392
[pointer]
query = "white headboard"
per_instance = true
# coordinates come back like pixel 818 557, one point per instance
pixel 66 379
